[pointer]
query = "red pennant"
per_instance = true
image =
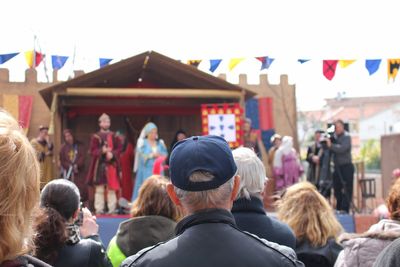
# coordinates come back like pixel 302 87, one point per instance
pixel 329 68
pixel 38 58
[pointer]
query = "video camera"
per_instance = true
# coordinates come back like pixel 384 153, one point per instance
pixel 329 134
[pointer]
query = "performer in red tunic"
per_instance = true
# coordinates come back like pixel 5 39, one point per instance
pixel 126 163
pixel 105 149
pixel 72 160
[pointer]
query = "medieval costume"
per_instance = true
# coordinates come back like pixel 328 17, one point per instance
pixel 72 160
pixel 44 151
pixel 287 166
pixel 146 154
pixel 126 163
pixel 104 170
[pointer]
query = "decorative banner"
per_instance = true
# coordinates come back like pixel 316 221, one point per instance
pixel 194 63
pixel 6 57
pixel 372 65
pixel 58 62
pixel 31 55
pixel 302 61
pixel 345 63
pixel 393 68
pixel 265 62
pixel 329 68
pixel 214 63
pixel 234 62
pixel 20 107
pixel 223 120
pixel 104 61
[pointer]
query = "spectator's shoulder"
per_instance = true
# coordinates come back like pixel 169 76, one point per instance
pixel 284 251
pixel 131 260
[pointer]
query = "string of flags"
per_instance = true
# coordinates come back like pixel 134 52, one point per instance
pixel 34 58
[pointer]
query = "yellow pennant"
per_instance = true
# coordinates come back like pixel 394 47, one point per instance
pixel 393 68
pixel 29 58
pixel 345 63
pixel 234 62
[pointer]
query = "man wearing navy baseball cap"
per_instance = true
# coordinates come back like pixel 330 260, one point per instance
pixel 204 184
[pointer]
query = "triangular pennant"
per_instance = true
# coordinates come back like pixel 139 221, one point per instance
pixel 104 61
pixel 393 68
pixel 194 63
pixel 214 63
pixel 372 65
pixel 6 57
pixel 58 61
pixel 265 62
pixel 329 68
pixel 345 63
pixel 303 60
pixel 234 62
pixel 29 56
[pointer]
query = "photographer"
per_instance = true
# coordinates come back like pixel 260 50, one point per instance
pixel 318 157
pixel 343 174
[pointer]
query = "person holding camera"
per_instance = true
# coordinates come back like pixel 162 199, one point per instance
pixel 343 174
pixel 65 234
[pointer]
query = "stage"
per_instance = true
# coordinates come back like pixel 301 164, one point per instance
pixel 108 224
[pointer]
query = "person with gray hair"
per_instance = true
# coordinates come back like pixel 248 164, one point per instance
pixel 248 208
pixel 204 184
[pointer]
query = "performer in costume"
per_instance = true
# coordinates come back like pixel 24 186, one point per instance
pixel 72 160
pixel 148 149
pixel 44 149
pixel 126 163
pixel 105 149
pixel 287 166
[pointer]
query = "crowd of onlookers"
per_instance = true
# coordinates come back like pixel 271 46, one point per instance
pixel 209 212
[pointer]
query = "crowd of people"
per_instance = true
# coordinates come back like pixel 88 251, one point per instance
pixel 209 211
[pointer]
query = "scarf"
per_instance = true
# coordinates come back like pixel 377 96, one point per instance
pixel 73 234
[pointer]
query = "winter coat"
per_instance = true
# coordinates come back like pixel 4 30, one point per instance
pixel 324 256
pixel 137 233
pixel 363 249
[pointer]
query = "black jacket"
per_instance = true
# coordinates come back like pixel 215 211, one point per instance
pixel 24 261
pixel 210 238
pixel 318 256
pixel 88 252
pixel 250 216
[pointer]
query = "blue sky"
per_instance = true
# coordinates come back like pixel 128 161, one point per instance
pixel 284 30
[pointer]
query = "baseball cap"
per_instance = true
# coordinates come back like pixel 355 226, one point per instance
pixel 201 153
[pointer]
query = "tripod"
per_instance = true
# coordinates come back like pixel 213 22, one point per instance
pixel 346 197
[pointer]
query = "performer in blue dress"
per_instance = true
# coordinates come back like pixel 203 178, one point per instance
pixel 148 149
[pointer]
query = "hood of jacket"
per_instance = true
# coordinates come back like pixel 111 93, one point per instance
pixel 140 232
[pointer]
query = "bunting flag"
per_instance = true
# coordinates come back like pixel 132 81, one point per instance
pixel 234 62
pixel 265 62
pixel 58 62
pixel 329 68
pixel 20 107
pixel 31 55
pixel 372 65
pixel 224 120
pixel 214 63
pixel 194 63
pixel 104 61
pixel 6 57
pixel 345 63
pixel 393 68
pixel 302 61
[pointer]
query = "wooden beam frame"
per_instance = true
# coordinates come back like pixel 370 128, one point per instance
pixel 155 92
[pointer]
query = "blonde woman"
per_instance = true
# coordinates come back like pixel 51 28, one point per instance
pixel 314 224
pixel 19 191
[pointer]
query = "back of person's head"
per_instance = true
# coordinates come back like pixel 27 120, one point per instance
pixel 59 202
pixel 308 213
pixel 251 171
pixel 19 188
pixel 153 200
pixel 393 201
pixel 202 171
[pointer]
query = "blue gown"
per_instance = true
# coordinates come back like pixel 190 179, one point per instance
pixel 146 164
